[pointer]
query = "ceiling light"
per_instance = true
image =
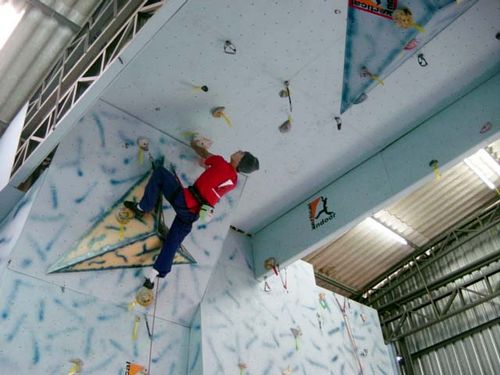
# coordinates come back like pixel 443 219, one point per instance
pixel 387 231
pixel 9 18
pixel 489 161
pixel 480 174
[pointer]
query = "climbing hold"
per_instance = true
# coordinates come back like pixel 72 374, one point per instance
pixel 218 112
pixel 202 141
pixel 410 45
pixel 497 36
pixel 229 48
pixel 144 297
pixel 337 11
pixel 286 126
pixel 338 120
pixel 366 73
pixel 201 88
pixel 283 93
pixel 123 216
pixel 486 127
pixel 77 366
pixel 403 18
pixel 360 99
pixel 143 144
pixel 135 369
pixel 287 371
pixel 421 60
pixel 242 366
pixel 271 264
pixel 435 167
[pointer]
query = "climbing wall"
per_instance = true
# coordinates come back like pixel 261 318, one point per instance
pixel 61 316
pixel 263 328
pixel 12 225
pixel 376 45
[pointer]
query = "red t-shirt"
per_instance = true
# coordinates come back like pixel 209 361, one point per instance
pixel 218 179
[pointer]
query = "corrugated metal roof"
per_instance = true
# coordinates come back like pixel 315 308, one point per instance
pixel 37 41
pixel 363 253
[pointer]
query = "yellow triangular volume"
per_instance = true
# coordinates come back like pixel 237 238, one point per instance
pixel 109 244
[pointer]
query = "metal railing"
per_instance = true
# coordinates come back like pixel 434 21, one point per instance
pixel 105 34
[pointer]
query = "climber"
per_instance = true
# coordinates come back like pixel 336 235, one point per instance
pixel 219 178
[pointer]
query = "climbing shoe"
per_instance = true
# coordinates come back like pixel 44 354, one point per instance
pixel 132 206
pixel 148 284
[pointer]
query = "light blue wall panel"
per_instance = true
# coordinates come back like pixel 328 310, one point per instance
pixel 447 136
pixel 244 324
pixel 195 363
pixel 348 197
pixel 12 225
pixel 44 326
pixel 93 167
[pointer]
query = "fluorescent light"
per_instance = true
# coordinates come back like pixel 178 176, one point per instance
pixel 387 231
pixel 480 174
pixel 9 18
pixel 488 160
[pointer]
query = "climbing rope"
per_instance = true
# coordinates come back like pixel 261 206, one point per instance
pixel 349 333
pixel 153 326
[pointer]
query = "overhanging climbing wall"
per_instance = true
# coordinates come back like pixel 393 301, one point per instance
pixel 56 317
pixel 376 44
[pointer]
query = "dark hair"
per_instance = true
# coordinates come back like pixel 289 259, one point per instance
pixel 248 163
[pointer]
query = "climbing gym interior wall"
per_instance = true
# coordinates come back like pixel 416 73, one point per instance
pixel 55 315
pixel 285 324
pixel 66 308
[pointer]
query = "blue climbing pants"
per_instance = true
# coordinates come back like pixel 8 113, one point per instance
pixel 165 182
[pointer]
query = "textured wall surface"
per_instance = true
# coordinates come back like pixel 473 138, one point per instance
pixel 244 324
pixel 48 319
pixel 12 224
pixel 94 166
pixel 399 168
pixel 375 42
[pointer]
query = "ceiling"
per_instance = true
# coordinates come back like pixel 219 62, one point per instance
pixel 44 30
pixel 278 41
pixel 363 253
pixel 304 44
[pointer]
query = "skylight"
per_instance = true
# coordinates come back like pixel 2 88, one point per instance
pixel 9 18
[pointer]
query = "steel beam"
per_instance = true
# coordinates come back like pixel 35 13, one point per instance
pixel 455 338
pixel 107 32
pixel 52 13
pixel 337 284
pixel 399 331
pixel 445 244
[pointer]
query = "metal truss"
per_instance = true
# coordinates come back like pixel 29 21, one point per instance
pixel 406 320
pixel 107 32
pixel 426 303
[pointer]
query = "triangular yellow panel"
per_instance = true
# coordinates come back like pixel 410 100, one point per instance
pixel 108 245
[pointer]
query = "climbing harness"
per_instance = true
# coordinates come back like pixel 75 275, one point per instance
pixel 207 211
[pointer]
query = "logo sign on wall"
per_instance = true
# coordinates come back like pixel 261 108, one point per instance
pixel 319 214
pixel 382 8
